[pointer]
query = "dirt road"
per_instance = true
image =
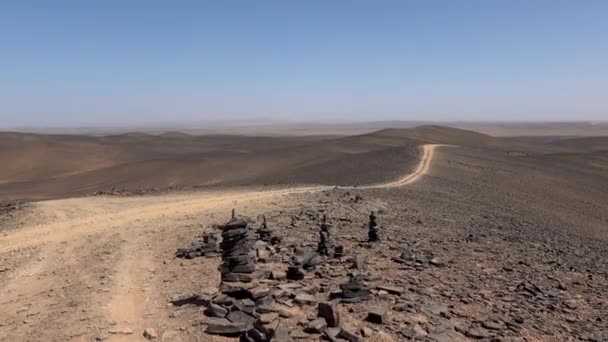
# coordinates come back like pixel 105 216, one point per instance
pixel 102 267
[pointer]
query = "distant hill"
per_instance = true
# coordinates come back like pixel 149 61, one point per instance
pixel 39 166
pixel 583 144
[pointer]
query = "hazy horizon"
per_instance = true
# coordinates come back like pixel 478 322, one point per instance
pixel 115 65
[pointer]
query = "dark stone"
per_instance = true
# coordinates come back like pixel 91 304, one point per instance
pixel 215 310
pixel 325 246
pixel 295 272
pixel 338 251
pixel 354 290
pixel 239 277
pixel 254 335
pixel 329 311
pixel 376 315
pixel 222 326
pixel 349 336
pixel 373 228
pixel 241 318
pixel 259 291
pixel 207 247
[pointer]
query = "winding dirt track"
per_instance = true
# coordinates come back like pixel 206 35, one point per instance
pixel 77 267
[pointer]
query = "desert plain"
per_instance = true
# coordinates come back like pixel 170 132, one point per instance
pixel 497 237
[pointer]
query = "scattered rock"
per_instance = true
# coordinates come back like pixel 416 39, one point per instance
pixel 376 315
pixel 150 334
pixel 316 326
pixel 305 299
pixel 329 312
pixel 222 326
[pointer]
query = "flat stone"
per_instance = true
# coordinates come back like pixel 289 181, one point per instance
pixel 254 335
pixel 214 310
pixel 477 333
pixel 402 306
pixel 305 299
pixel 268 317
pixel 376 315
pixel 396 290
pixel 245 268
pixel 317 326
pixel 241 318
pixel 239 277
pixel 436 262
pixel 222 326
pixel 329 311
pixel 349 336
pixel 121 331
pixel 332 334
pixel 492 325
pixel 247 305
pixel 222 299
pixel 231 233
pixel 233 224
pixel 259 291
pixel 231 287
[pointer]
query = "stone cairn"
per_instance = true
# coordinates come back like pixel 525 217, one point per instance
pixel 373 228
pixel 325 246
pixel 353 291
pixel 207 246
pixel 265 234
pixel 242 299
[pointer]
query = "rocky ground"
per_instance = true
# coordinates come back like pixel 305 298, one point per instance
pixel 487 246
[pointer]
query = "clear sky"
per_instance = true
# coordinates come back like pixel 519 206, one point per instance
pixel 131 62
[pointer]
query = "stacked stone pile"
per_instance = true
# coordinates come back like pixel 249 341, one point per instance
pixel 373 228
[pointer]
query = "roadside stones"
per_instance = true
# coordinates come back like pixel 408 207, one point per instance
pixel 215 310
pixel 207 247
pixel 231 310
pixel 301 261
pixel 395 290
pixel 236 257
pixel 265 234
pixel 294 272
pixel 373 228
pixel 325 246
pixel 222 326
pixel 329 311
pixel 354 290
pixel 316 326
pixel 376 315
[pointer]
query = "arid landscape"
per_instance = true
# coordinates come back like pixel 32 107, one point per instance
pixel 480 237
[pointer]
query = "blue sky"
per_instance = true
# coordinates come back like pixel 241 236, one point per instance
pixel 71 63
